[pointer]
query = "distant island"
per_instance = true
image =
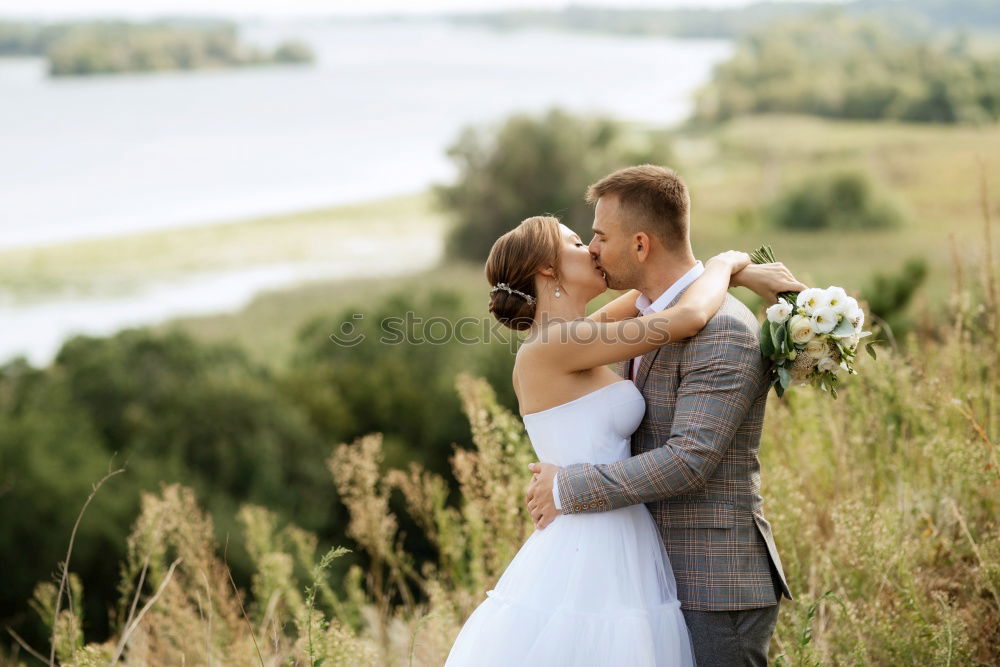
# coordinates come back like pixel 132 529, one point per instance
pixel 81 49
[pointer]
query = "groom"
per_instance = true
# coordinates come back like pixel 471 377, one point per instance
pixel 694 456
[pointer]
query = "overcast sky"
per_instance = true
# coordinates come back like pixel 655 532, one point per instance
pixel 290 8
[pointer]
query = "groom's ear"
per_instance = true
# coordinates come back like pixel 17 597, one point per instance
pixel 641 245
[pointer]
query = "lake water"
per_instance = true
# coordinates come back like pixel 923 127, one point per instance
pixel 102 156
pixel 89 157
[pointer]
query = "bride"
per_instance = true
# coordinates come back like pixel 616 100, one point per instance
pixel 592 588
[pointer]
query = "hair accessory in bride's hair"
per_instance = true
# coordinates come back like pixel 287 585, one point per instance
pixel 507 288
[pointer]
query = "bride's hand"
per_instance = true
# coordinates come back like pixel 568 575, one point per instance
pixel 767 280
pixel 736 260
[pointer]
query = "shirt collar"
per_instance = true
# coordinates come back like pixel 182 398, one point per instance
pixel 646 306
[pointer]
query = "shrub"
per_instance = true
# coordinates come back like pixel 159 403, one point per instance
pixel 394 373
pixel 889 294
pixel 841 200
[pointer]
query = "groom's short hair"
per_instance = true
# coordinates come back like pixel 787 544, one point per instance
pixel 651 199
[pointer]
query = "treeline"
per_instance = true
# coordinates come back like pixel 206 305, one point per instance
pixel 734 22
pixel 110 47
pixel 843 67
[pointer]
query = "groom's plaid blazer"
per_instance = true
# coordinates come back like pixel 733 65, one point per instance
pixel 694 463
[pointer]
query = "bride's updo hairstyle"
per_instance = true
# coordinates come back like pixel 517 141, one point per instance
pixel 515 258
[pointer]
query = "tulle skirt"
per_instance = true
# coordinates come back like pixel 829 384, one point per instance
pixel 591 589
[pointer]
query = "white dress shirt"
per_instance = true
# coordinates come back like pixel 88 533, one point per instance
pixel 647 307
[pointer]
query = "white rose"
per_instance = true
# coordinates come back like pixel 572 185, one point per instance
pixel 810 299
pixel 779 312
pixel 818 349
pixel 824 320
pixel 801 329
pixel 837 299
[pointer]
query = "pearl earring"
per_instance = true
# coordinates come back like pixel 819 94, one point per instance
pixel 558 293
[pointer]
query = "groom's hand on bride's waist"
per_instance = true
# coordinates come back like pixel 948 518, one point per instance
pixel 541 504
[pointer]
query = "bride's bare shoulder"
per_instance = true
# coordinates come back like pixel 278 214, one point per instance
pixel 528 361
pixel 530 354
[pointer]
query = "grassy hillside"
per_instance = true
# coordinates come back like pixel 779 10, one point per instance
pixel 935 173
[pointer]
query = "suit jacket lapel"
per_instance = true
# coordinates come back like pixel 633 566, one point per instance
pixel 650 357
pixel 644 366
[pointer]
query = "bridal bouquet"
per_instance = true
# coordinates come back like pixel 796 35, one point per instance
pixel 812 336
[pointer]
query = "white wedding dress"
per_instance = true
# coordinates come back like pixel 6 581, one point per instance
pixel 590 589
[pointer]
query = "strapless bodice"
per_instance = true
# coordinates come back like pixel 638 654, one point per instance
pixel 594 428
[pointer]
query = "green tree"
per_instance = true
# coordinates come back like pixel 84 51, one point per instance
pixel 172 410
pixel 832 64
pixel 391 368
pixel 533 165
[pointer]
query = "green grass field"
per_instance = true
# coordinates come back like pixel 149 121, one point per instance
pixel 934 172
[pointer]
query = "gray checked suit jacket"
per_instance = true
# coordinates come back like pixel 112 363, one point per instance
pixel 694 463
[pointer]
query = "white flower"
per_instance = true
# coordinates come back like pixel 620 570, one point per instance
pixel 837 299
pixel 856 317
pixel 818 348
pixel 801 329
pixel 828 364
pixel 824 319
pixel 851 342
pixel 810 299
pixel 779 312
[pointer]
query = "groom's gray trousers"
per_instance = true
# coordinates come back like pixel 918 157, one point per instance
pixel 733 638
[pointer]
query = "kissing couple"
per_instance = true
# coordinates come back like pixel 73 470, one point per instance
pixel 651 546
